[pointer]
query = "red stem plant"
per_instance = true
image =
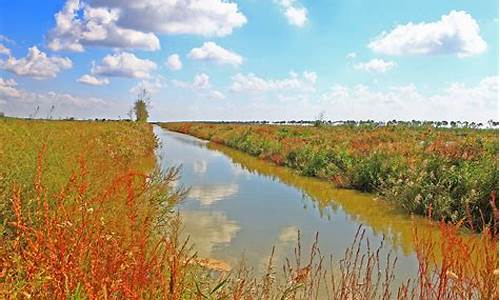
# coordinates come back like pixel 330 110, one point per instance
pixel 124 243
pixel 103 246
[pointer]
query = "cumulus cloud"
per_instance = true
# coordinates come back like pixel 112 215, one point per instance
pixel 134 24
pixel 216 95
pixel 472 101
pixel 4 50
pixel 124 64
pixel 8 88
pixel 295 13
pixel 96 27
pixel 36 64
pixel 6 39
pixel 310 76
pixel 200 81
pixel 174 62
pixel 21 103
pixel 210 51
pixel 455 102
pixel 200 17
pixel 201 86
pixel 92 80
pixel 152 85
pixel 253 83
pixel 455 33
pixel 375 65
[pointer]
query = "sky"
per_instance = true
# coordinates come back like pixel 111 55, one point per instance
pixel 251 59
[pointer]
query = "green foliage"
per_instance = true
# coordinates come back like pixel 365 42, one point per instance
pixel 452 172
pixel 141 111
pixel 109 147
pixel 140 108
pixel 368 173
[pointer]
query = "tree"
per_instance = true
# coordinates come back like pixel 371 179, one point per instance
pixel 320 119
pixel 140 108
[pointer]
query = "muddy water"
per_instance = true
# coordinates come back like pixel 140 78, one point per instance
pixel 240 206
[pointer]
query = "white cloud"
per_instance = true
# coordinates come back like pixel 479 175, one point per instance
pixel 97 27
pixel 456 102
pixel 200 17
pixel 351 55
pixel 134 24
pixel 375 65
pixel 201 86
pixel 216 95
pixel 4 38
pixel 210 51
pixel 174 62
pixel 92 80
pixel 24 103
pixel 474 101
pixel 8 88
pixel 200 81
pixel 4 50
pixel 295 13
pixel 253 83
pixel 455 33
pixel 310 76
pixel 36 64
pixel 124 65
pixel 152 86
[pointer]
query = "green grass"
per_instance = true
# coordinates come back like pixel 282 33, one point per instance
pixel 452 173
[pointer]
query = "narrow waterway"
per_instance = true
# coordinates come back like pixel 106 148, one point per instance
pixel 240 206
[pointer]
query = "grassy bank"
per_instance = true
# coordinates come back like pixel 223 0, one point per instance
pixel 85 217
pixel 108 148
pixel 79 202
pixel 449 172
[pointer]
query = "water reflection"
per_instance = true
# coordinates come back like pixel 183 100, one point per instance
pixel 209 194
pixel 200 166
pixel 242 206
pixel 213 230
pixel 361 208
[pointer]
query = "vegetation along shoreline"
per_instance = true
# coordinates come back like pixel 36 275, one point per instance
pixel 450 174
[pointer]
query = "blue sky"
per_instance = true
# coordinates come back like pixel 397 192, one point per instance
pixel 251 59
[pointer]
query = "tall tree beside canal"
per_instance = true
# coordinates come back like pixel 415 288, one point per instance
pixel 141 104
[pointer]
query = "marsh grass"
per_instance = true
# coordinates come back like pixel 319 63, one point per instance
pixel 113 234
pixel 73 251
pixel 451 171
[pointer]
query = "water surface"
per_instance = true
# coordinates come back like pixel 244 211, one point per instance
pixel 240 206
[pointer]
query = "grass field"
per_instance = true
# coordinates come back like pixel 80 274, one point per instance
pixel 86 216
pixel 109 149
pixel 451 174
pixel 77 210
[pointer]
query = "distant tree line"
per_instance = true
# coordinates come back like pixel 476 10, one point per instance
pixel 412 123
